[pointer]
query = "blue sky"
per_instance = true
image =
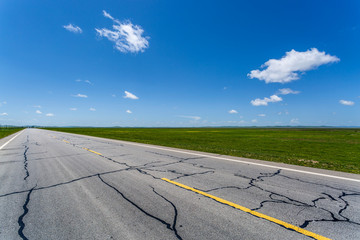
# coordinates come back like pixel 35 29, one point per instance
pixel 180 63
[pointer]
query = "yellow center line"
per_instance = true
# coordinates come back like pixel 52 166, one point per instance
pixel 86 149
pixel 247 210
pixel 92 151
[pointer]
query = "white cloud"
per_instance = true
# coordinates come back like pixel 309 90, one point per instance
pixel 286 91
pixel 254 121
pixel 286 113
pixel 107 15
pixel 50 115
pixel 73 109
pixel 4 114
pixel 126 36
pixel 3 103
pixel 345 102
pixel 262 115
pixel 37 106
pixel 130 95
pixel 294 121
pixel 80 95
pixel 288 67
pixel 196 118
pixel 265 101
pixel 128 111
pixel 113 95
pixel 38 112
pixel 92 109
pixel 233 111
pixel 73 28
pixel 85 81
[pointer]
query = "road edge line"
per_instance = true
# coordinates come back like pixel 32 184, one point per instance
pixel 11 140
pixel 164 148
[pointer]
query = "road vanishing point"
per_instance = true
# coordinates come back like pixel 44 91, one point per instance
pixel 57 185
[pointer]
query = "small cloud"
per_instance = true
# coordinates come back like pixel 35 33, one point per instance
pixel 37 106
pixel 347 103
pixel 196 118
pixel 49 115
pixel 287 68
pixel 130 95
pixel 73 109
pixel 286 91
pixel 281 113
pixel 265 101
pixel 128 111
pixel 233 111
pixel 107 15
pixel 225 88
pixel 4 114
pixel 73 28
pixel 113 95
pixel 85 81
pixel 262 115
pixel 3 103
pixel 80 95
pixel 92 109
pixel 294 121
pixel 38 112
pixel 254 121
pixel 126 36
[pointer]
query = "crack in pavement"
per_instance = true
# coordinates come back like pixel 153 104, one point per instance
pixel 339 213
pixel 168 225
pixel 191 174
pixel 141 167
pixel 173 227
pixel 21 218
pixel 26 163
pixel 65 183
pixel 335 216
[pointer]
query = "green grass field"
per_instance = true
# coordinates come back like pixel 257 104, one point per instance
pixel 334 149
pixel 8 131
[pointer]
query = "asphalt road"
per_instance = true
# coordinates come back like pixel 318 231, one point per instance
pixel 64 186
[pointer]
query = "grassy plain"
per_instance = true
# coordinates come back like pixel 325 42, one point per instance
pixel 8 131
pixel 327 148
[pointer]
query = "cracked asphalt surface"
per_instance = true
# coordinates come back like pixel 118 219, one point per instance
pixel 65 186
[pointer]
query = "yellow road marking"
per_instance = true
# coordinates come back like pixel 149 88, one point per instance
pixel 247 210
pixel 92 151
pixel 86 149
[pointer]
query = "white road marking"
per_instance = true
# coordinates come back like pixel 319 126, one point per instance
pixel 246 162
pixel 11 140
pixel 232 160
